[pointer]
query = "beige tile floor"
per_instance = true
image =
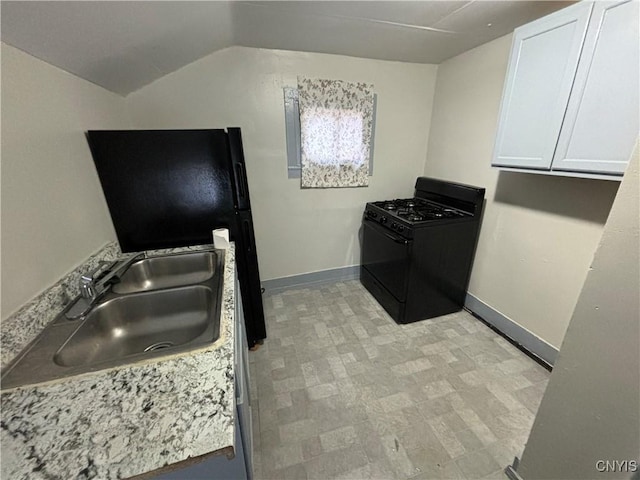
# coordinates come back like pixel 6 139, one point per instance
pixel 339 390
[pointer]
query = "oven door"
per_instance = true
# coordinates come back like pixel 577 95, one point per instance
pixel 386 257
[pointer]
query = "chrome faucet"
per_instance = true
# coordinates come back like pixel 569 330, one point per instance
pixel 96 283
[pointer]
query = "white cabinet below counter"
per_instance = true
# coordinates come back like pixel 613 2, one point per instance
pixel 570 104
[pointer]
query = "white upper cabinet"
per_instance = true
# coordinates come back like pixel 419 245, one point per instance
pixel 543 62
pixel 601 124
pixel 570 101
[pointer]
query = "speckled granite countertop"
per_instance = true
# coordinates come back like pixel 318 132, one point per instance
pixel 126 421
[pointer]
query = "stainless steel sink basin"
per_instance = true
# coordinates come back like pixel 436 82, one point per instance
pixel 162 306
pixel 166 272
pixel 136 324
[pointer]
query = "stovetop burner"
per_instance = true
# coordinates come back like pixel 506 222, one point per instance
pixel 413 217
pixel 417 210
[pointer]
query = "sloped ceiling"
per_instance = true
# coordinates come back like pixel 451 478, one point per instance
pixel 123 46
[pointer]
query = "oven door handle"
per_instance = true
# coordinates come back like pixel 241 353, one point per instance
pixel 401 240
pixel 383 231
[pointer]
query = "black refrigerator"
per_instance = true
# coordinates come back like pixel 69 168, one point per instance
pixel 171 188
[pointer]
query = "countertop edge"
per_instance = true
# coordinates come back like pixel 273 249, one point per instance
pixel 229 452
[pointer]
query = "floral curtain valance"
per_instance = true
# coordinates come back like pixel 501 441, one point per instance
pixel 336 120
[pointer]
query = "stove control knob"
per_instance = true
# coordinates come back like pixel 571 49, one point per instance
pixel 394 225
pixel 400 228
pixel 372 214
pixel 383 219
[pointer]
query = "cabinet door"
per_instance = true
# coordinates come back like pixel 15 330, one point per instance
pixel 542 66
pixel 601 124
pixel 243 396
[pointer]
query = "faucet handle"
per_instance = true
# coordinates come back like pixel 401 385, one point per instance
pixel 86 289
pixel 91 275
pixel 87 280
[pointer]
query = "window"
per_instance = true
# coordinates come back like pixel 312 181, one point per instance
pixel 333 135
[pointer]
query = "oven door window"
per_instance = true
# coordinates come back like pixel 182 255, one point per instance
pixel 386 256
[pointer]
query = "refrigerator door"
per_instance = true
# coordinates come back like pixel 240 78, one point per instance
pixel 165 188
pixel 243 235
pixel 249 276
pixel 241 187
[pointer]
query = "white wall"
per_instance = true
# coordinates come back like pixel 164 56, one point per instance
pixel 538 233
pixel 297 231
pixel 589 411
pixel 53 211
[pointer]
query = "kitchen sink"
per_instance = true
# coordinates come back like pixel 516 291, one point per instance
pixel 164 305
pixel 166 272
pixel 136 324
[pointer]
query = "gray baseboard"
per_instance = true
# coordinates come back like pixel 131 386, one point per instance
pixel 534 344
pixel 276 285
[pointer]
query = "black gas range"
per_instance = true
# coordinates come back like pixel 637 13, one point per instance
pixel 417 252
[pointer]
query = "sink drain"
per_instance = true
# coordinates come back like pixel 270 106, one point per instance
pixel 158 346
